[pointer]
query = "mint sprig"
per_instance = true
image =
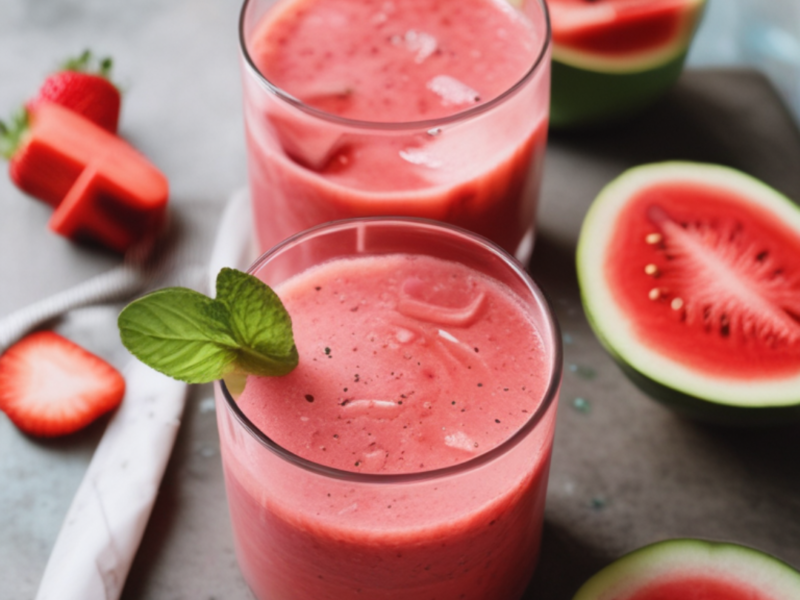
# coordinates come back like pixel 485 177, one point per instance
pixel 245 330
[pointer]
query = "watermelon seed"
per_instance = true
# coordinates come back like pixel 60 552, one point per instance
pixel 676 304
pixel 724 326
pixel 651 269
pixel 653 238
pixel 654 294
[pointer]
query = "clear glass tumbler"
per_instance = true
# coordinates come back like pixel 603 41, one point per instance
pixel 469 530
pixel 478 166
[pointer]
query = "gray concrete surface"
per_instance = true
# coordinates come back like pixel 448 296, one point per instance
pixel 625 473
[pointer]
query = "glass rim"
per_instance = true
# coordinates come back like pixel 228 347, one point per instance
pixel 548 397
pixel 251 67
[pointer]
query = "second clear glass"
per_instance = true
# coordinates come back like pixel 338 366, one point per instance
pixel 479 167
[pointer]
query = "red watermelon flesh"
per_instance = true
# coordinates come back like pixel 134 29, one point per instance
pixel 697 588
pixel 727 275
pixel 617 27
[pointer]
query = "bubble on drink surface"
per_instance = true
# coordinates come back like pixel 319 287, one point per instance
pixel 323 90
pixel 452 91
pixel 385 12
pixel 374 460
pixel 404 336
pixel 419 157
pixel 448 336
pixel 412 305
pixel 421 44
pixel 350 508
pixel 461 441
pixel 374 409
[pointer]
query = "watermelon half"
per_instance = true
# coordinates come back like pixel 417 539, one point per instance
pixel 613 57
pixel 690 277
pixel 694 570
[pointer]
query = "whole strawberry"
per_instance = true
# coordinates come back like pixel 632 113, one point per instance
pixel 83 85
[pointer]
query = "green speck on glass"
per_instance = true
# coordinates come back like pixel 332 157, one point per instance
pixel 581 405
pixel 583 372
pixel 598 503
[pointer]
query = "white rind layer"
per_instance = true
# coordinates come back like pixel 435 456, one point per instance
pixel 617 329
pixel 729 562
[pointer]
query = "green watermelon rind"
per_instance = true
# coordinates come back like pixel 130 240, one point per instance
pixel 580 97
pixel 733 562
pixel 589 88
pixel 681 386
pixel 699 409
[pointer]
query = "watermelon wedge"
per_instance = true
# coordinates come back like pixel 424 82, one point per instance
pixel 694 570
pixel 613 57
pixel 690 277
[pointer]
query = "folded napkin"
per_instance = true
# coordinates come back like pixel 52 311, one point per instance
pixel 104 525
pixel 108 515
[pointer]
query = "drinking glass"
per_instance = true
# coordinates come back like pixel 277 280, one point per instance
pixel 479 168
pixel 306 531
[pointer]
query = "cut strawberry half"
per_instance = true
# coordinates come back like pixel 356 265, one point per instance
pixel 83 86
pixel 50 386
pixel 102 188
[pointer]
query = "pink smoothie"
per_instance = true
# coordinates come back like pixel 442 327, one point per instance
pixel 407 364
pixel 390 62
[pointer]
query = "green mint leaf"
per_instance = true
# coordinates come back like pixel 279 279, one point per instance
pixel 180 333
pixel 259 322
pixel 193 338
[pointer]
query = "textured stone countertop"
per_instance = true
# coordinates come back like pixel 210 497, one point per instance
pixel 626 472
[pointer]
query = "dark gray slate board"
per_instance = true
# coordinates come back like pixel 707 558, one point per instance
pixel 627 472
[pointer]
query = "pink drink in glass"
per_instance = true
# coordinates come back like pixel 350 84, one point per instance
pixel 396 107
pixel 407 455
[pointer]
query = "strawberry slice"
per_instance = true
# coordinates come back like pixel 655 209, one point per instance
pixel 83 86
pixel 50 386
pixel 102 188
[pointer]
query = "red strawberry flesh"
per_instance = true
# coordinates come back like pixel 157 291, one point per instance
pixel 103 189
pixel 50 386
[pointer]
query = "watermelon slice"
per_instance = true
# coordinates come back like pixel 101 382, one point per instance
pixel 690 277
pixel 613 57
pixel 694 570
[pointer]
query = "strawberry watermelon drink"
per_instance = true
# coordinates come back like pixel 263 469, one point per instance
pixel 407 454
pixel 404 107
